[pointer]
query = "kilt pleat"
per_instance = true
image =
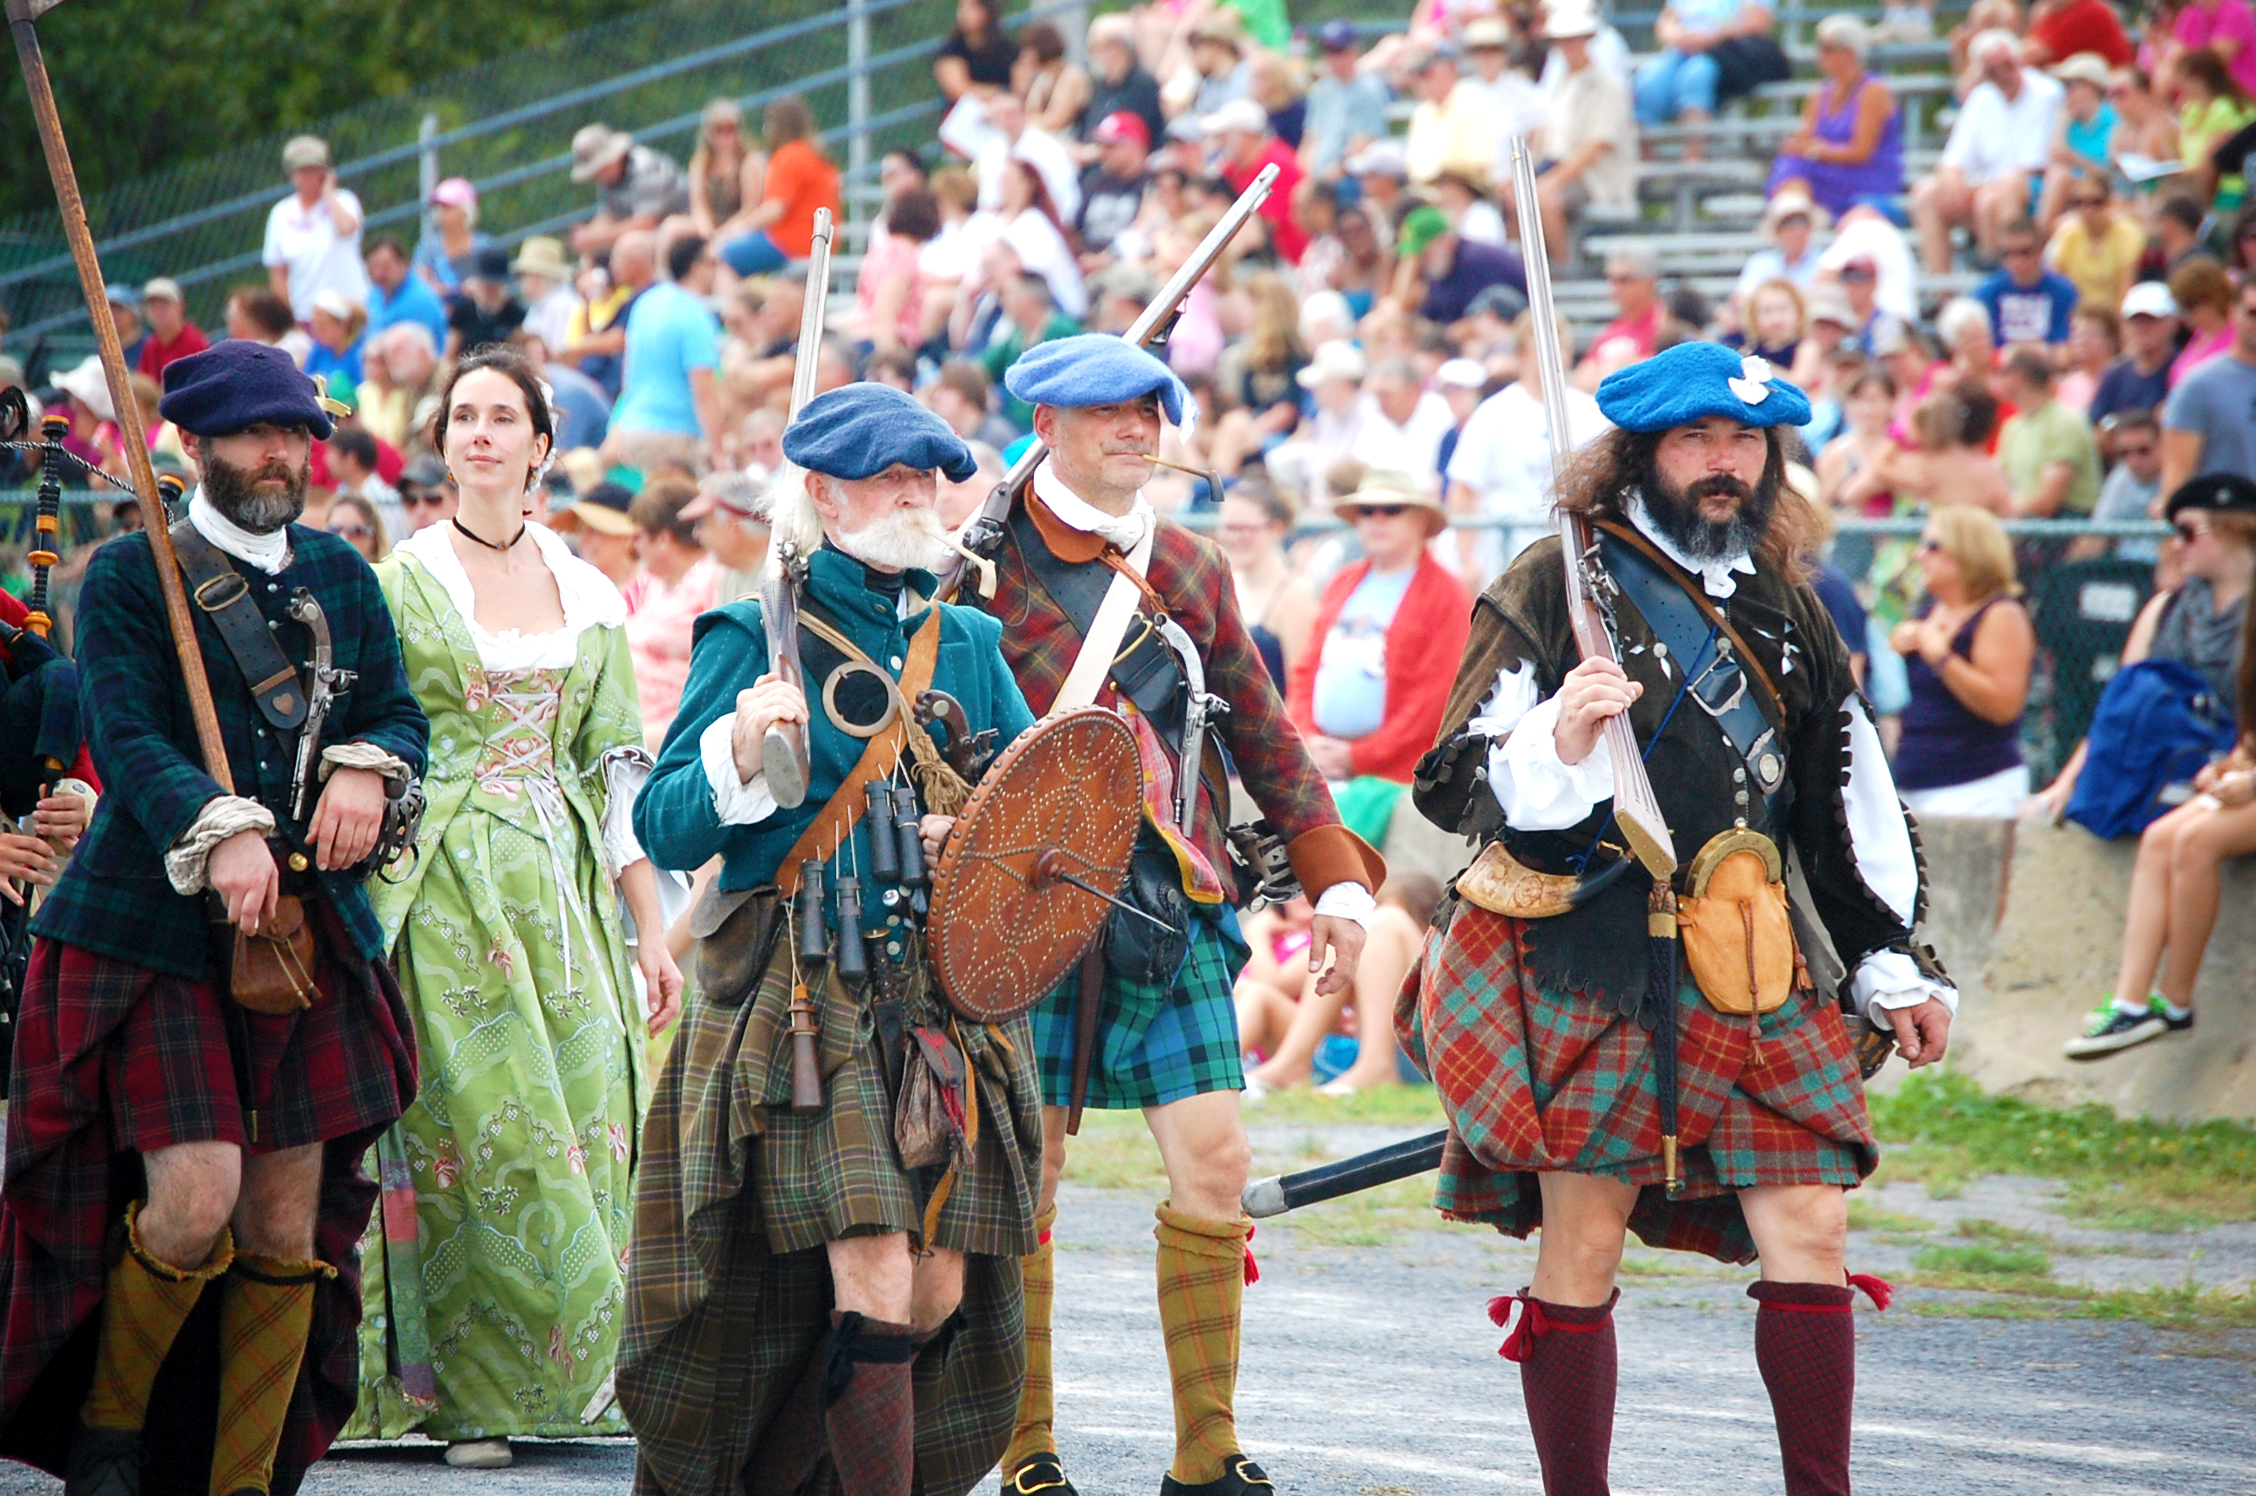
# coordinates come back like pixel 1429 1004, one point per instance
pixel 1157 1041
pixel 721 1319
pixel 1538 1081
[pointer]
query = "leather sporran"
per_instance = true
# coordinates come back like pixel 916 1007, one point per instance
pixel 736 935
pixel 1137 949
pixel 928 1116
pixel 1738 936
pixel 273 969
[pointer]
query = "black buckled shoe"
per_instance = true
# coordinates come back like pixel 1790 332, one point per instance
pixel 1240 1477
pixel 103 1462
pixel 1039 1476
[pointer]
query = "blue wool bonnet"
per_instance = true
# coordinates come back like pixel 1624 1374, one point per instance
pixel 236 384
pixel 859 430
pixel 1694 381
pixel 1093 369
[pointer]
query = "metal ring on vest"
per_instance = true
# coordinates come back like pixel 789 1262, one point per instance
pixel 855 729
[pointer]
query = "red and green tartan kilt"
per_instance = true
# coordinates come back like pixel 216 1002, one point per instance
pixel 1537 1081
pixel 113 1059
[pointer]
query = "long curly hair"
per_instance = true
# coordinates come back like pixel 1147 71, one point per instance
pixel 1599 479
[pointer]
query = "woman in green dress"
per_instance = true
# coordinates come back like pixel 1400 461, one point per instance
pixel 497 1311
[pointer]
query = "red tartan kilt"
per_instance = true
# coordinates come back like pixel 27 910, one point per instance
pixel 1535 1081
pixel 168 1071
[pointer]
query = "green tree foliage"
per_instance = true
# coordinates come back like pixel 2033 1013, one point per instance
pixel 146 84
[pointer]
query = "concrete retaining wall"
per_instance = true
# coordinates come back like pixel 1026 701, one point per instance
pixel 2029 919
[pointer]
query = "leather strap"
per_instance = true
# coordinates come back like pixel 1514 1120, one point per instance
pixel 1685 621
pixel 1145 672
pixel 1774 705
pixel 224 594
pixel 835 822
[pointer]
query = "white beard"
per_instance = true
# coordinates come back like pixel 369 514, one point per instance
pixel 905 540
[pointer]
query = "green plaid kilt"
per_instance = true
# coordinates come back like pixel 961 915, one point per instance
pixel 1537 1081
pixel 726 1303
pixel 1156 1042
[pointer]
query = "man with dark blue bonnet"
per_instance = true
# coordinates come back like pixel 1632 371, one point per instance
pixel 1536 1011
pixel 1102 600
pixel 810 1290
pixel 210 1038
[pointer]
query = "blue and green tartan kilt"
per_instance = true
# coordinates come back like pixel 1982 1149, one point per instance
pixel 1156 1042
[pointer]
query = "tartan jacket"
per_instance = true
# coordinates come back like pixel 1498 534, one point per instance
pixel 114 897
pixel 1191 575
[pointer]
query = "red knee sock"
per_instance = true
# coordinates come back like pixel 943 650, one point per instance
pixel 869 1408
pixel 1805 1345
pixel 1568 1367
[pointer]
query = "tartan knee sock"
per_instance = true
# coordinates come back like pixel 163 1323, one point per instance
pixel 265 1313
pixel 144 1304
pixel 1805 1346
pixel 1202 1276
pixel 869 1405
pixel 1034 1432
pixel 1568 1368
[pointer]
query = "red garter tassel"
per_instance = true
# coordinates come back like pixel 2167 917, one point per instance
pixel 1879 1290
pixel 1520 1341
pixel 1252 1268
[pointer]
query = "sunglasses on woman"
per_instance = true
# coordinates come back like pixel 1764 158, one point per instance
pixel 1382 511
pixel 352 531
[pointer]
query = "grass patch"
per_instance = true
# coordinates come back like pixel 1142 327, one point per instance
pixel 2192 1310
pixel 1370 1218
pixel 1865 1216
pixel 1114 1151
pixel 2121 1174
pixel 1988 1267
pixel 1385 1106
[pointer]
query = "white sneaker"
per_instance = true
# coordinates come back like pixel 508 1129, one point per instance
pixel 479 1454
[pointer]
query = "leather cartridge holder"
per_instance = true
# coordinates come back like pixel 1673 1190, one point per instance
pixel 272 972
pixel 1738 937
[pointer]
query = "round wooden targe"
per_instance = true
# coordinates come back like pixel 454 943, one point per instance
pixel 1060 803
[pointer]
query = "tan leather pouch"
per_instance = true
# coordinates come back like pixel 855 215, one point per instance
pixel 1502 884
pixel 1738 938
pixel 273 970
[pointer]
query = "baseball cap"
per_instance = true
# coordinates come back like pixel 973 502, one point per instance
pixel 1120 125
pixel 163 288
pixel 1421 228
pixel 1464 373
pixel 1338 36
pixel 119 294
pixel 1487 32
pixel 454 192
pixel 302 151
pixel 1381 158
pixel 2150 299
pixel 1238 114
pixel 602 509
pixel 423 472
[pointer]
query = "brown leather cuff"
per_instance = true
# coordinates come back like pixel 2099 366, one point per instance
pixel 1334 854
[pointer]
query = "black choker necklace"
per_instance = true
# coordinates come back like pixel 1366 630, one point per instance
pixel 491 545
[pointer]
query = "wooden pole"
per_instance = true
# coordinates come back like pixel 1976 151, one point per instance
pixel 21 14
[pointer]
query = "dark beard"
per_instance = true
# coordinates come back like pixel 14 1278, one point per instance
pixel 233 491
pixel 1676 512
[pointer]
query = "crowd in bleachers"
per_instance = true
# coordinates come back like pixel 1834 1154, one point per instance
pixel 2047 316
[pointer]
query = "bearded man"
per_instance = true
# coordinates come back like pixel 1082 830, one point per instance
pixel 803 1290
pixel 210 1040
pixel 1535 1009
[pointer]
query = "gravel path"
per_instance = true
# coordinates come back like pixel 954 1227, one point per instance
pixel 1371 1370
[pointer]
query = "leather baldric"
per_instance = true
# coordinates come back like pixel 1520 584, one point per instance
pixel 1727 684
pixel 224 595
pixel 835 821
pixel 1146 672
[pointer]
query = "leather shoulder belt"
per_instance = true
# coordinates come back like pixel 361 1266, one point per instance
pixel 1729 687
pixel 224 594
pixel 1146 671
